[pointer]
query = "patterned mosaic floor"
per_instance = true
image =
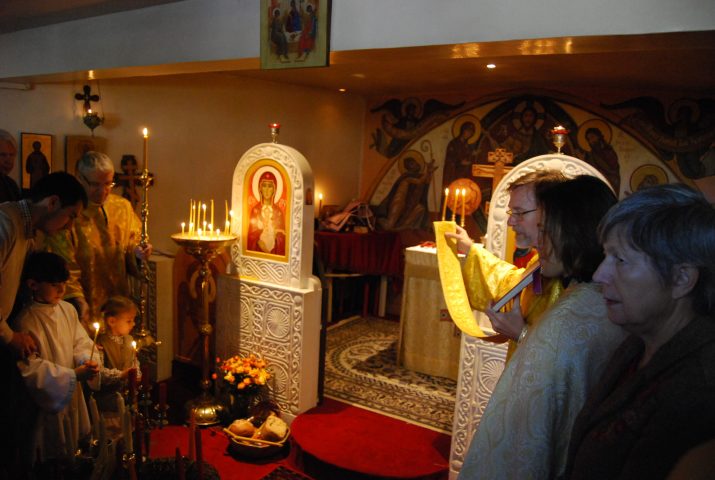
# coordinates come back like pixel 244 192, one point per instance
pixel 360 369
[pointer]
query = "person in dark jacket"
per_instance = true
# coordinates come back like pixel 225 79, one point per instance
pixel 656 399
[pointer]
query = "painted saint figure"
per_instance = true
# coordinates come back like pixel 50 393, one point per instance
pixel 266 228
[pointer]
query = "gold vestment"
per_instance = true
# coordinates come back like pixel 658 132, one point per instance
pixel 487 277
pixel 99 252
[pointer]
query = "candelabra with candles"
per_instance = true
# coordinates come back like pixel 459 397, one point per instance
pixel 144 337
pixel 206 409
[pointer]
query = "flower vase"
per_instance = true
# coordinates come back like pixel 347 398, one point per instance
pixel 239 405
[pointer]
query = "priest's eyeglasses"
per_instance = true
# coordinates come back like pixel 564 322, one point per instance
pixel 98 185
pixel 519 215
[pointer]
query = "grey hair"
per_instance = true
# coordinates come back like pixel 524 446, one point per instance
pixel 94 162
pixel 8 137
pixel 672 224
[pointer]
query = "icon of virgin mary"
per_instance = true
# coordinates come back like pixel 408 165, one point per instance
pixel 266 228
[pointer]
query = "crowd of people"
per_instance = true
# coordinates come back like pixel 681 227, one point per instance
pixel 611 365
pixel 68 254
pixel 612 377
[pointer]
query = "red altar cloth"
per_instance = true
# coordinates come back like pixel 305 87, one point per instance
pixel 214 443
pixel 374 253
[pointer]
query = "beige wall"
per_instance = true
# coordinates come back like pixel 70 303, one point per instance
pixel 199 128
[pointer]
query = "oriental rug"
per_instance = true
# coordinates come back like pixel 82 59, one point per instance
pixel 361 369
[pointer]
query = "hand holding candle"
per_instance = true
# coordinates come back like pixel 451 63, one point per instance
pixel 96 332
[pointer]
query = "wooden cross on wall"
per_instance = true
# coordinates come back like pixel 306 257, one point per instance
pixel 130 181
pixel 500 157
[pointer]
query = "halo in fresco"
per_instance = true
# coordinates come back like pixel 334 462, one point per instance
pixel 646 176
pixel 604 127
pixel 457 126
pixel 417 156
pixel 474 195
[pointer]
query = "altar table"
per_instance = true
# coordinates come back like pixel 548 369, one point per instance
pixel 429 340
pixel 373 253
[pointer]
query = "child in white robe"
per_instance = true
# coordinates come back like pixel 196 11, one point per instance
pixel 53 376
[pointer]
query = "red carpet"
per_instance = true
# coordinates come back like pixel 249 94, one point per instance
pixel 214 443
pixel 358 440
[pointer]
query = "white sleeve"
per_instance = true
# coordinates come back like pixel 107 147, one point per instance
pixel 50 385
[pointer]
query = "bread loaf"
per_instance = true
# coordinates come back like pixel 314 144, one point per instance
pixel 242 428
pixel 273 429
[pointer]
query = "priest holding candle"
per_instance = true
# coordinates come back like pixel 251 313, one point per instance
pixel 103 245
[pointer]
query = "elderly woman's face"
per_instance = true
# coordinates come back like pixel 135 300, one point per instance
pixel 635 295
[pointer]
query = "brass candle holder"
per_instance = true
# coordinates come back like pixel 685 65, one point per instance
pixel 206 408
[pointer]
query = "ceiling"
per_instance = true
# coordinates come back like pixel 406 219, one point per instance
pixel 670 61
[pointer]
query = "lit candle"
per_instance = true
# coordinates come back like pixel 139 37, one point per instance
pixel 226 211
pixel 320 204
pixel 183 227
pixel 146 149
pixel 191 204
pixel 212 211
pixel 454 205
pixel 193 217
pixel 464 200
pixel 134 352
pixel 444 205
pixel 203 221
pixel 96 332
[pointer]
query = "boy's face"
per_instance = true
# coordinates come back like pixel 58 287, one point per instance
pixel 47 292
pixel 122 323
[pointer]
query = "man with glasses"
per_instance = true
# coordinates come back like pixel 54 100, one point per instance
pixel 487 277
pixel 102 248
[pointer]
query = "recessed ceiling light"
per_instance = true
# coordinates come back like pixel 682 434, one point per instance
pixel 491 66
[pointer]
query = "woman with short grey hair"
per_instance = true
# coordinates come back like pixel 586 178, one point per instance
pixel 656 399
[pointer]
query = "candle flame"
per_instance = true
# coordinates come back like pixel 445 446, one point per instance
pixel 134 344
pixel 96 325
pixel 320 196
pixel 146 133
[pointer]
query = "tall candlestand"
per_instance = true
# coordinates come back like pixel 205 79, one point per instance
pixel 144 337
pixel 206 408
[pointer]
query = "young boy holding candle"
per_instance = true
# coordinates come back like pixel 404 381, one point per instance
pixel 54 375
pixel 119 356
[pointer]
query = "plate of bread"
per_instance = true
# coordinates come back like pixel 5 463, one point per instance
pixel 257 437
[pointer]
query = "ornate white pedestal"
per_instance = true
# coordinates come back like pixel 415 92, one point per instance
pixel 270 304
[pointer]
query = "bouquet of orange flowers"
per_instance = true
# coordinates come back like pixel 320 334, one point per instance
pixel 243 375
